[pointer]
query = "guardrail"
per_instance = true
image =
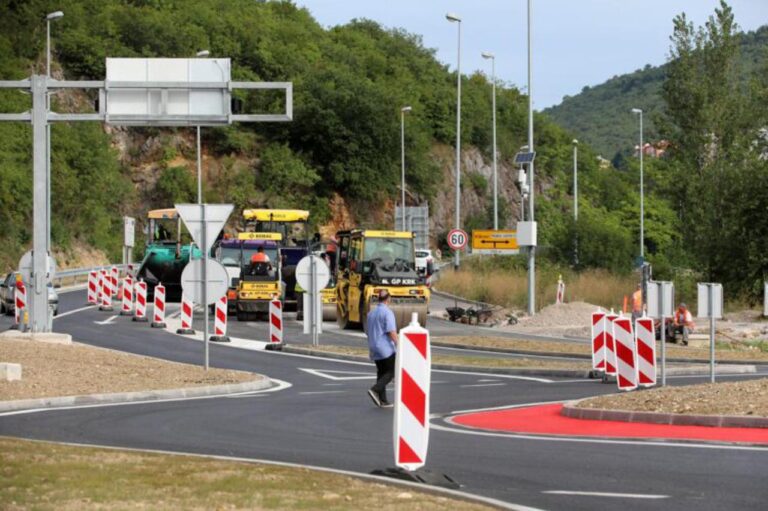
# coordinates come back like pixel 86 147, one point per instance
pixel 73 275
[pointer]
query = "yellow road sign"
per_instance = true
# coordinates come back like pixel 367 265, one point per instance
pixel 495 242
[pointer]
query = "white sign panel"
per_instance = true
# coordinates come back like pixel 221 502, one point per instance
pixel 192 281
pixel 126 105
pixel 129 229
pixel 304 273
pixel 655 292
pixel 704 301
pixel 25 267
pixel 216 216
pixel 526 234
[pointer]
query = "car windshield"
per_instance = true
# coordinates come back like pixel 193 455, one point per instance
pixel 293 233
pixel 389 254
pixel 230 256
pixel 271 252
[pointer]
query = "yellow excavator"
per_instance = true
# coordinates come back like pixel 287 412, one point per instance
pixel 370 261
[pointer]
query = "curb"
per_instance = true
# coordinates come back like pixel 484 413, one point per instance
pixel 143 395
pixel 449 296
pixel 566 373
pixel 719 421
pixel 751 363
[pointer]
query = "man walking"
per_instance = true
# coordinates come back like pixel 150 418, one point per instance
pixel 382 339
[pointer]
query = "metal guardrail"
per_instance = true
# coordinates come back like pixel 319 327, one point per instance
pixel 73 275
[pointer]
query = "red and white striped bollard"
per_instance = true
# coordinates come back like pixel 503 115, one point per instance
pixel 275 325
pixel 610 356
pixel 93 289
pixel 187 308
pixel 412 380
pixel 220 321
pixel 127 309
pixel 19 304
pixel 141 302
pixel 158 312
pixel 106 292
pixel 598 341
pixel 114 279
pixel 645 340
pixel 626 354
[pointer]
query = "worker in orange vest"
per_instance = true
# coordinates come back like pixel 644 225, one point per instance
pixel 683 322
pixel 637 303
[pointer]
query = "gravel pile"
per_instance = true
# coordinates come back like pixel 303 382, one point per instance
pixel 566 314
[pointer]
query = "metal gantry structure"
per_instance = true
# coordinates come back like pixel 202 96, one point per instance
pixel 40 117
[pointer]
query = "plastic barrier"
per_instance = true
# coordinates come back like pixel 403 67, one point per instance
pixel 275 323
pixel 158 313
pixel 220 321
pixel 141 302
pixel 186 316
pixel 93 287
pixel 106 292
pixel 20 303
pixel 560 298
pixel 598 340
pixel 645 341
pixel 626 354
pixel 114 273
pixel 127 309
pixel 412 377
pixel 610 355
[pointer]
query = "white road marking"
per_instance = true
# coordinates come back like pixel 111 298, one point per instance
pixel 604 494
pixel 281 385
pixel 250 394
pixel 332 384
pixel 507 376
pixel 484 385
pixel 81 309
pixel 323 392
pixel 485 380
pixel 345 375
pixel 106 321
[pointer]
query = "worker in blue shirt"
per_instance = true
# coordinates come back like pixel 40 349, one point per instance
pixel 382 339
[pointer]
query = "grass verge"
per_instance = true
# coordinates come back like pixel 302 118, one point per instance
pixel 46 476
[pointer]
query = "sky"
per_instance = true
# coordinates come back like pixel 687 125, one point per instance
pixel 575 43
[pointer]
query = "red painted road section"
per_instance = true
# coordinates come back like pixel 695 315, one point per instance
pixel 546 420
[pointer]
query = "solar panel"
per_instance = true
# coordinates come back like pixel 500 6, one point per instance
pixel 522 158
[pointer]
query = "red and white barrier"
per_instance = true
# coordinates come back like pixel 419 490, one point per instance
pixel 127 309
pixel 626 354
pixel 20 303
pixel 141 302
pixel 645 342
pixel 275 322
pixel 598 341
pixel 106 291
pixel 186 316
pixel 114 280
pixel 93 288
pixel 412 379
pixel 610 355
pixel 158 312
pixel 220 321
pixel 560 298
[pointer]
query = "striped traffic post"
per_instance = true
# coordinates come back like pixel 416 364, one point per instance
pixel 275 325
pixel 19 303
pixel 114 279
pixel 158 312
pixel 106 292
pixel 141 302
pixel 220 321
pixel 645 341
pixel 412 377
pixel 610 355
pixel 186 316
pixel 127 309
pixel 93 290
pixel 598 341
pixel 626 354
pixel 560 298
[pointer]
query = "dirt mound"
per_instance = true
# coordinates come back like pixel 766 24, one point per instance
pixel 576 314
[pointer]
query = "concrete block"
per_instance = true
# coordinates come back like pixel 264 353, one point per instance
pixel 698 341
pixel 49 337
pixel 10 372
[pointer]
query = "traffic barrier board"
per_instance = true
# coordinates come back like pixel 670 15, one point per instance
pixel 220 321
pixel 610 355
pixel 141 301
pixel 158 313
pixel 626 354
pixel 186 316
pixel 598 340
pixel 276 321
pixel 412 379
pixel 93 289
pixel 645 340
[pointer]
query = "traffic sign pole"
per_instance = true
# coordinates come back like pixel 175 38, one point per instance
pixel 204 243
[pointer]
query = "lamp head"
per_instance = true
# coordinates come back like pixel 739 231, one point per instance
pixel 452 17
pixel 575 142
pixel 54 15
pixel 202 53
pixel 488 55
pixel 406 109
pixel 637 111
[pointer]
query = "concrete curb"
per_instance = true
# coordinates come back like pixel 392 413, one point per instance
pixel 586 356
pixel 127 397
pixel 449 296
pixel 718 421
pixel 566 373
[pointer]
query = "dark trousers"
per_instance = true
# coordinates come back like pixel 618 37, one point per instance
pixel 385 372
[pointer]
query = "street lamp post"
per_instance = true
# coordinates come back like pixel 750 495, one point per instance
pixel 642 193
pixel 201 53
pixel 402 160
pixel 56 15
pixel 492 57
pixel 453 18
pixel 575 200
pixel 531 217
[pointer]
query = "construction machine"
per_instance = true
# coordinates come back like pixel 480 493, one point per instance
pixel 291 224
pixel 370 261
pixel 260 281
pixel 167 253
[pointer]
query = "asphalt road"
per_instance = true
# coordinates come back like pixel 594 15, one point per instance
pixel 326 419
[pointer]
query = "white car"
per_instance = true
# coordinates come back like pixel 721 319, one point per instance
pixel 425 263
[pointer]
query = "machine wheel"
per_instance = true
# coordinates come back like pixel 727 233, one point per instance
pixel 242 316
pixel 342 318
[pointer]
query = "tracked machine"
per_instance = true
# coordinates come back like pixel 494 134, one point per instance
pixel 370 261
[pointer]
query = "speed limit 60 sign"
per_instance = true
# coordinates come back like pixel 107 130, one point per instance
pixel 457 239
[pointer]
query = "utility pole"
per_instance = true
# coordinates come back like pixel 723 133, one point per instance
pixel 531 217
